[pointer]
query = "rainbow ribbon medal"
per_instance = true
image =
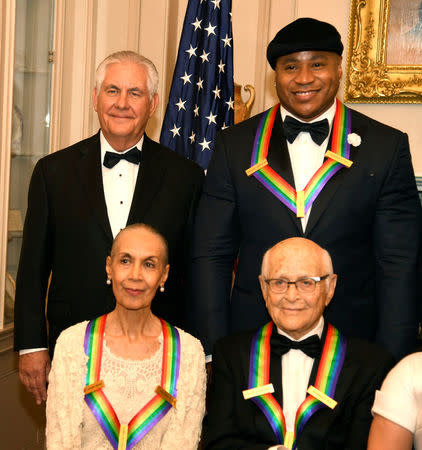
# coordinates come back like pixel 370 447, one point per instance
pixel 330 365
pixel 259 375
pixel 123 436
pixel 336 158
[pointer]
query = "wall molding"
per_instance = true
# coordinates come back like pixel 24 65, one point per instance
pixel 6 339
pixel 57 75
pixel 89 58
pixel 263 32
pixel 7 62
pixel 163 14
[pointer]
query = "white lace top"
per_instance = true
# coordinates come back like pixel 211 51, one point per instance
pixel 129 385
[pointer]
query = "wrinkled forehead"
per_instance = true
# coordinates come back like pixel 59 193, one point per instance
pixel 295 261
pixel 125 72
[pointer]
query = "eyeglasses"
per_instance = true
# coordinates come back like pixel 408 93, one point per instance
pixel 305 285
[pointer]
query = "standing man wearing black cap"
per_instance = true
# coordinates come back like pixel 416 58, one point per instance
pixel 310 167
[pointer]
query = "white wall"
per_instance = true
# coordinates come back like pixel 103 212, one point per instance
pixel 95 28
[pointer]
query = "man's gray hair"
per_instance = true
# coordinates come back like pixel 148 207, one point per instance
pixel 132 57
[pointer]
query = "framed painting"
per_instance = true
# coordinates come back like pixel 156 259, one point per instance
pixel 384 57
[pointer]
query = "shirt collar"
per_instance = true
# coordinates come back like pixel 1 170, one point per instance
pixel 329 114
pixel 106 147
pixel 316 330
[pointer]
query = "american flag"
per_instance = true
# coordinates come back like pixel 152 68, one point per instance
pixel 201 98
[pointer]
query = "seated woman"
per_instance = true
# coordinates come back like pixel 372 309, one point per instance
pixel 397 408
pixel 128 379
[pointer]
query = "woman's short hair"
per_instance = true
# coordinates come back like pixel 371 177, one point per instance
pixel 143 226
pixel 132 57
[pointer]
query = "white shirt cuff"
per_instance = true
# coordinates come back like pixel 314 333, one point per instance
pixel 31 350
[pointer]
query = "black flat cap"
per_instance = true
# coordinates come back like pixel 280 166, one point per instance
pixel 301 35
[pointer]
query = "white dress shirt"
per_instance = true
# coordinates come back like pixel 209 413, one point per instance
pixel 119 185
pixel 296 369
pixel 306 156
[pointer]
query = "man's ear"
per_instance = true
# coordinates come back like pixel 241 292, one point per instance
pixel 264 286
pixel 332 283
pixel 340 67
pixel 94 98
pixel 153 105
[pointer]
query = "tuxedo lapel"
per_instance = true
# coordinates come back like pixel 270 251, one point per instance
pixel 324 199
pixel 279 160
pixel 345 381
pixel 148 183
pixel 276 374
pixel 315 365
pixel 347 374
pixel 92 181
pixel 262 423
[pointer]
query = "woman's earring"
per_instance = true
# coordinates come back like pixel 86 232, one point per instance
pixel 162 288
pixel 108 281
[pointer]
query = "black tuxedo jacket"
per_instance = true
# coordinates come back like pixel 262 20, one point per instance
pixel 234 423
pixel 67 233
pixel 368 217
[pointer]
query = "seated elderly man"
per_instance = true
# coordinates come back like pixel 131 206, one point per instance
pixel 297 382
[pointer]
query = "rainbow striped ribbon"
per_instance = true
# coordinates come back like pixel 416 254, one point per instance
pixel 154 410
pixel 330 365
pixel 276 184
pixel 259 375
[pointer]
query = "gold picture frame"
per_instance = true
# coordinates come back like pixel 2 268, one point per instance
pixel 370 78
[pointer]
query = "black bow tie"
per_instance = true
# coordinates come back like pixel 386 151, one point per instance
pixel 318 130
pixel 311 346
pixel 111 158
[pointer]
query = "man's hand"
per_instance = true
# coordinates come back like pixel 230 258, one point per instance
pixel 33 373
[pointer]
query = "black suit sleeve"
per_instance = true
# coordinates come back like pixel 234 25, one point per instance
pixel 227 409
pixel 214 248
pixel 197 184
pixel 34 268
pixel 397 232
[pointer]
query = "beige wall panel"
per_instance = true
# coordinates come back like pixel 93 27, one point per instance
pixel 407 118
pixel 155 19
pixel 7 29
pixel 117 27
pixel 78 58
pixel 245 18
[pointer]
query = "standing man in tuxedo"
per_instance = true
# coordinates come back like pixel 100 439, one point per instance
pixel 270 178
pixel 81 197
pixel 261 379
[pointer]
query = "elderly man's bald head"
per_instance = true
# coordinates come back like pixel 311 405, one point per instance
pixel 297 284
pixel 300 247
